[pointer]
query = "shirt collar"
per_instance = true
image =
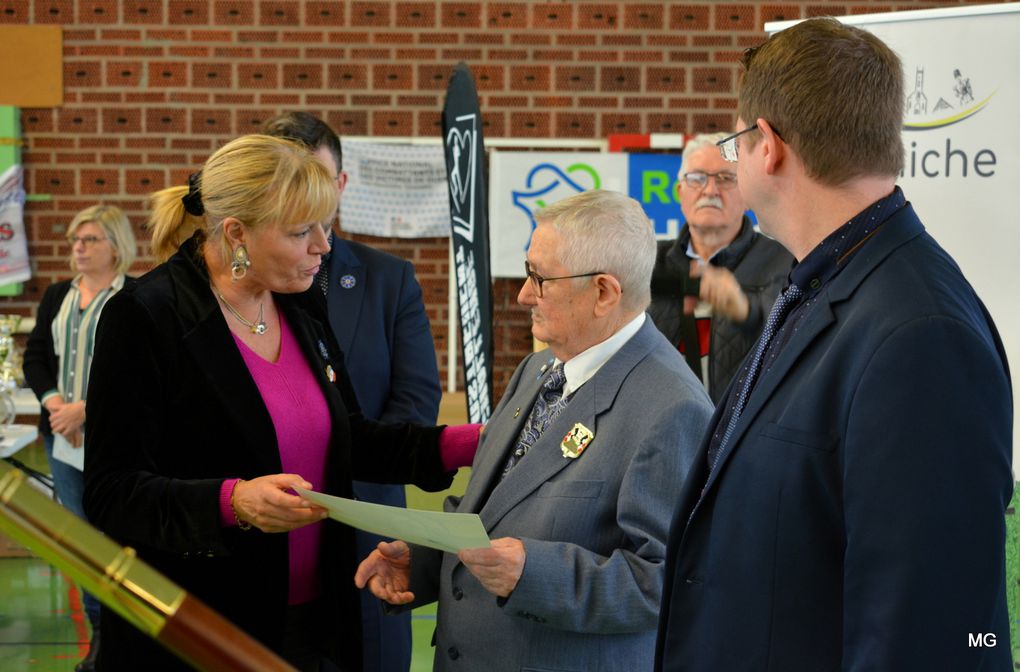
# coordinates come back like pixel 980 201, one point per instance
pixel 582 367
pixel 830 256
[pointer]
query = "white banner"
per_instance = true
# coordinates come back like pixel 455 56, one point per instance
pixel 962 145
pixel 395 190
pixel 14 266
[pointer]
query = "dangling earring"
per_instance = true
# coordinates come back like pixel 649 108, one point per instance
pixel 240 263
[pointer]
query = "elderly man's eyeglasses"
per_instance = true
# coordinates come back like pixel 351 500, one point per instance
pixel 698 179
pixel 728 145
pixel 538 279
pixel 89 241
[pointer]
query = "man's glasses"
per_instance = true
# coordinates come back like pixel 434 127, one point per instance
pixel 728 145
pixel 698 179
pixel 538 279
pixel 88 240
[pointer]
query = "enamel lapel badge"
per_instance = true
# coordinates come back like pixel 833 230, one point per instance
pixel 576 440
pixel 330 374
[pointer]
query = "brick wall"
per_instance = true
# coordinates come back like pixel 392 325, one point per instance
pixel 153 86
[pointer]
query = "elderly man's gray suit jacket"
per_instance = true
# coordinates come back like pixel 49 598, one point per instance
pixel 594 527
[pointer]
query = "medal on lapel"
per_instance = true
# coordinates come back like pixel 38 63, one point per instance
pixel 330 374
pixel 576 440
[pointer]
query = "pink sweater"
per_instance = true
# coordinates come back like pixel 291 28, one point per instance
pixel 302 421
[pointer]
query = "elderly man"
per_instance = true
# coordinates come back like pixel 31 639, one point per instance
pixel 714 321
pixel 846 512
pixel 576 475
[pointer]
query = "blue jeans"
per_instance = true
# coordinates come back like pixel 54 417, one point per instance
pixel 70 486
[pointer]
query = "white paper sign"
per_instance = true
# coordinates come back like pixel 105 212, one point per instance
pixel 449 532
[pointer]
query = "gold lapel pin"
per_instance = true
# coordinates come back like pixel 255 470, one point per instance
pixel 576 440
pixel 517 412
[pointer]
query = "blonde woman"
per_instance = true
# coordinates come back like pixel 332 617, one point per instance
pixel 59 353
pixel 216 389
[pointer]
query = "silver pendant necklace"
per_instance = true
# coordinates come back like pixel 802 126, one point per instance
pixel 258 327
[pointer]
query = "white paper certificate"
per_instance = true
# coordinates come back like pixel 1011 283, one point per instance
pixel 449 532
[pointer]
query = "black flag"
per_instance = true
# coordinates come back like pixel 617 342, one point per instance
pixel 465 158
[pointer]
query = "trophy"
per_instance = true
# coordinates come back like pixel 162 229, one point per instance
pixel 11 374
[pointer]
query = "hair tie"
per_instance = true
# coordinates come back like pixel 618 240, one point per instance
pixel 193 199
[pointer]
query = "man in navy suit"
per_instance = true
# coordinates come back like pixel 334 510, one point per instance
pixel 376 311
pixel 846 510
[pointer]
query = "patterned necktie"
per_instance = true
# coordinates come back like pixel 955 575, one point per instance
pixel 322 277
pixel 784 304
pixel 548 405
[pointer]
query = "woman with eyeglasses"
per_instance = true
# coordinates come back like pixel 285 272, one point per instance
pixel 59 354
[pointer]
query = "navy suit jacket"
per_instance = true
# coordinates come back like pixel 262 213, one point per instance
pixel 856 519
pixel 377 314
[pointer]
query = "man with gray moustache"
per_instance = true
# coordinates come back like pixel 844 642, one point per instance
pixel 713 286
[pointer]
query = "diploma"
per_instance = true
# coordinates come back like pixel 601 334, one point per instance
pixel 449 532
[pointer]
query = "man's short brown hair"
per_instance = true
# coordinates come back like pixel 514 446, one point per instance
pixel 834 93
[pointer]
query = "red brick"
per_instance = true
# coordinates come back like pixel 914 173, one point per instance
pixel 188 12
pixel 245 53
pixel 329 100
pixel 379 101
pixel 251 121
pixel 280 53
pixel 688 56
pixel 665 79
pixel 101 96
pixel 642 102
pixel 712 123
pixel 825 10
pixel 552 101
pixel 14 11
pixel 438 38
pixel 166 35
pixel 533 39
pixel 713 40
pixel 86 158
pixel 82 73
pixel 485 38
pixel 552 15
pixel 430 123
pixel 146 52
pixel 348 122
pixel 168 73
pixel 205 122
pixel 673 40
pixel 324 13
pixel 777 13
pixel 461 15
pixel 667 122
pixel 489 77
pixel 97 11
pixel 212 36
pixel 212 76
pixel 302 76
pixel 462 55
pixel 598 17
pixel 529 77
pixel 415 14
pixel 121 120
pixel 370 54
pixel 281 100
pixel 576 40
pixel 614 122
pixel 575 78
pixel 392 77
pixel 734 17
pixel 417 101
pixel 494 124
pixel 258 75
pixel 643 16
pixel 586 56
pixel 370 14
pixel 416 54
pixel 575 124
pixel 529 124
pixel 712 80
pixel 688 17
pixel 100 182
pixel 507 101
pixel 279 13
pixel 143 11
pixel 326 53
pixel 54 11
pixel 348 76
pixel 433 77
pixel 120 158
pixel 508 15
pixel 77 120
pixel 233 98
pixel 627 78
pixel 123 73
pixel 393 38
pixel 258 36
pixel 643 56
pixel 557 55
pixel 36 120
pixel 189 51
pixel 99 50
pixel 387 122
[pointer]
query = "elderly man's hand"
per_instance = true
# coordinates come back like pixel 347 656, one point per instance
pixel 499 567
pixel 387 572
pixel 720 289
